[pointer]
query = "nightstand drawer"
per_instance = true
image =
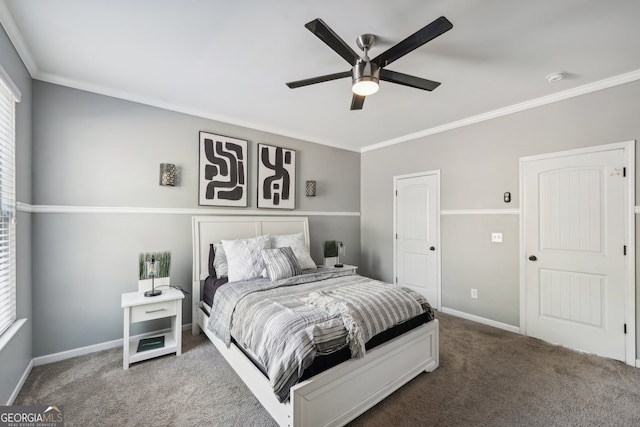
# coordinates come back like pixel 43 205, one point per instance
pixel 157 310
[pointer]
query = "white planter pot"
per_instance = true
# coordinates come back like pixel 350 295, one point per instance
pixel 145 284
pixel 331 261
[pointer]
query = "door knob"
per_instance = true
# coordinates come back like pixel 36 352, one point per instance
pixel 432 248
pixel 533 258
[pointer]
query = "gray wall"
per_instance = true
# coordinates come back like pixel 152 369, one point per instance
pixel 16 355
pixel 93 150
pixel 478 164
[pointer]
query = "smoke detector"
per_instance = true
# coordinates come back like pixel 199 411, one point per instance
pixel 556 77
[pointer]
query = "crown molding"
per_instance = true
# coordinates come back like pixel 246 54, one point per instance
pixel 501 112
pixel 140 99
pixel 533 103
pixel 12 30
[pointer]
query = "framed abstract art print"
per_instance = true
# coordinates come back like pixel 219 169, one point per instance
pixel 223 171
pixel 276 177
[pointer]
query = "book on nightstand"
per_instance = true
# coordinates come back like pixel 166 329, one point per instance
pixel 150 343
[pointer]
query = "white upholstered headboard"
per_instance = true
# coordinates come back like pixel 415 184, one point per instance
pixel 210 229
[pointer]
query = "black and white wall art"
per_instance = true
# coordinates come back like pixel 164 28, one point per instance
pixel 223 171
pixel 276 177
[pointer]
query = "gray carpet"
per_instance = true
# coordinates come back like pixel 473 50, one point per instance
pixel 487 377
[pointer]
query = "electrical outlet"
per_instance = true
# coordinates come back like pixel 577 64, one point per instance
pixel 496 237
pixel 474 293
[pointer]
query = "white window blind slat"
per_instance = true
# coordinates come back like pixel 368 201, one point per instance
pixel 4 292
pixel 7 207
pixel 6 304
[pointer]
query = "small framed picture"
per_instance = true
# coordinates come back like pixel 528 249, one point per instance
pixel 223 171
pixel 276 177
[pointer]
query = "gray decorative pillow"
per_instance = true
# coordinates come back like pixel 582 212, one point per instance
pixel 220 261
pixel 299 247
pixel 244 257
pixel 281 263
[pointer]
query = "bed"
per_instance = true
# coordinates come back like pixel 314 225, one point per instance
pixel 336 395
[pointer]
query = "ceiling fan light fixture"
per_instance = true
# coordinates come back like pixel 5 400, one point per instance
pixel 365 86
pixel 366 78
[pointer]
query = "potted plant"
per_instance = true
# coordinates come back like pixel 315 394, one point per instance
pixel 160 274
pixel 330 253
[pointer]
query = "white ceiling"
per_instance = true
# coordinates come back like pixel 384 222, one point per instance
pixel 230 61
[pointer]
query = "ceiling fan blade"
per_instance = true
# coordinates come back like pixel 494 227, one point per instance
pixel 319 79
pixel 331 39
pixel 357 101
pixel 414 41
pixel 407 80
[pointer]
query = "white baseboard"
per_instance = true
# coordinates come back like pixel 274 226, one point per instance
pixel 56 357
pixel 20 384
pixel 478 319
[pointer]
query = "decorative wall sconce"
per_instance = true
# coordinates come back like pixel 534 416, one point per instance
pixel 167 174
pixel 311 188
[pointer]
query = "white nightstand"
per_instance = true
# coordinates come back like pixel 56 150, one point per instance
pixel 347 267
pixel 138 308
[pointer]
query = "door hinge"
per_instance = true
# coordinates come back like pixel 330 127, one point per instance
pixel 397 282
pixel 396 236
pixel 624 250
pixel 625 328
pixel 624 171
pixel 396 193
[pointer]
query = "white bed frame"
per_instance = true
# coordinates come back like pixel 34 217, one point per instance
pixel 333 397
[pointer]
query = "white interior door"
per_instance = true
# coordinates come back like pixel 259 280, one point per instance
pixel 574 224
pixel 417 260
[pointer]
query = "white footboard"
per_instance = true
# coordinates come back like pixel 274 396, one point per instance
pixel 340 394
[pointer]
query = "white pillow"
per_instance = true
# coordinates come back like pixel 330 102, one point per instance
pixel 300 248
pixel 244 257
pixel 220 261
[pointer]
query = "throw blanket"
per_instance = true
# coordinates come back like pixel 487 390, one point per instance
pixel 367 309
pixel 277 324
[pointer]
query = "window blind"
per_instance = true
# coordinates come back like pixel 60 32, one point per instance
pixel 7 208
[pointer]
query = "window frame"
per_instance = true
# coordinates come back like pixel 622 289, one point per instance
pixel 9 96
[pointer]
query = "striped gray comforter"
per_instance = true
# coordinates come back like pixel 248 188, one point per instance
pixel 285 324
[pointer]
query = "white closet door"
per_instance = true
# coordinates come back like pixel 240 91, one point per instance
pixel 417 235
pixel 575 237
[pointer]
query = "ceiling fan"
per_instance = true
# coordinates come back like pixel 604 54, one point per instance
pixel 366 73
